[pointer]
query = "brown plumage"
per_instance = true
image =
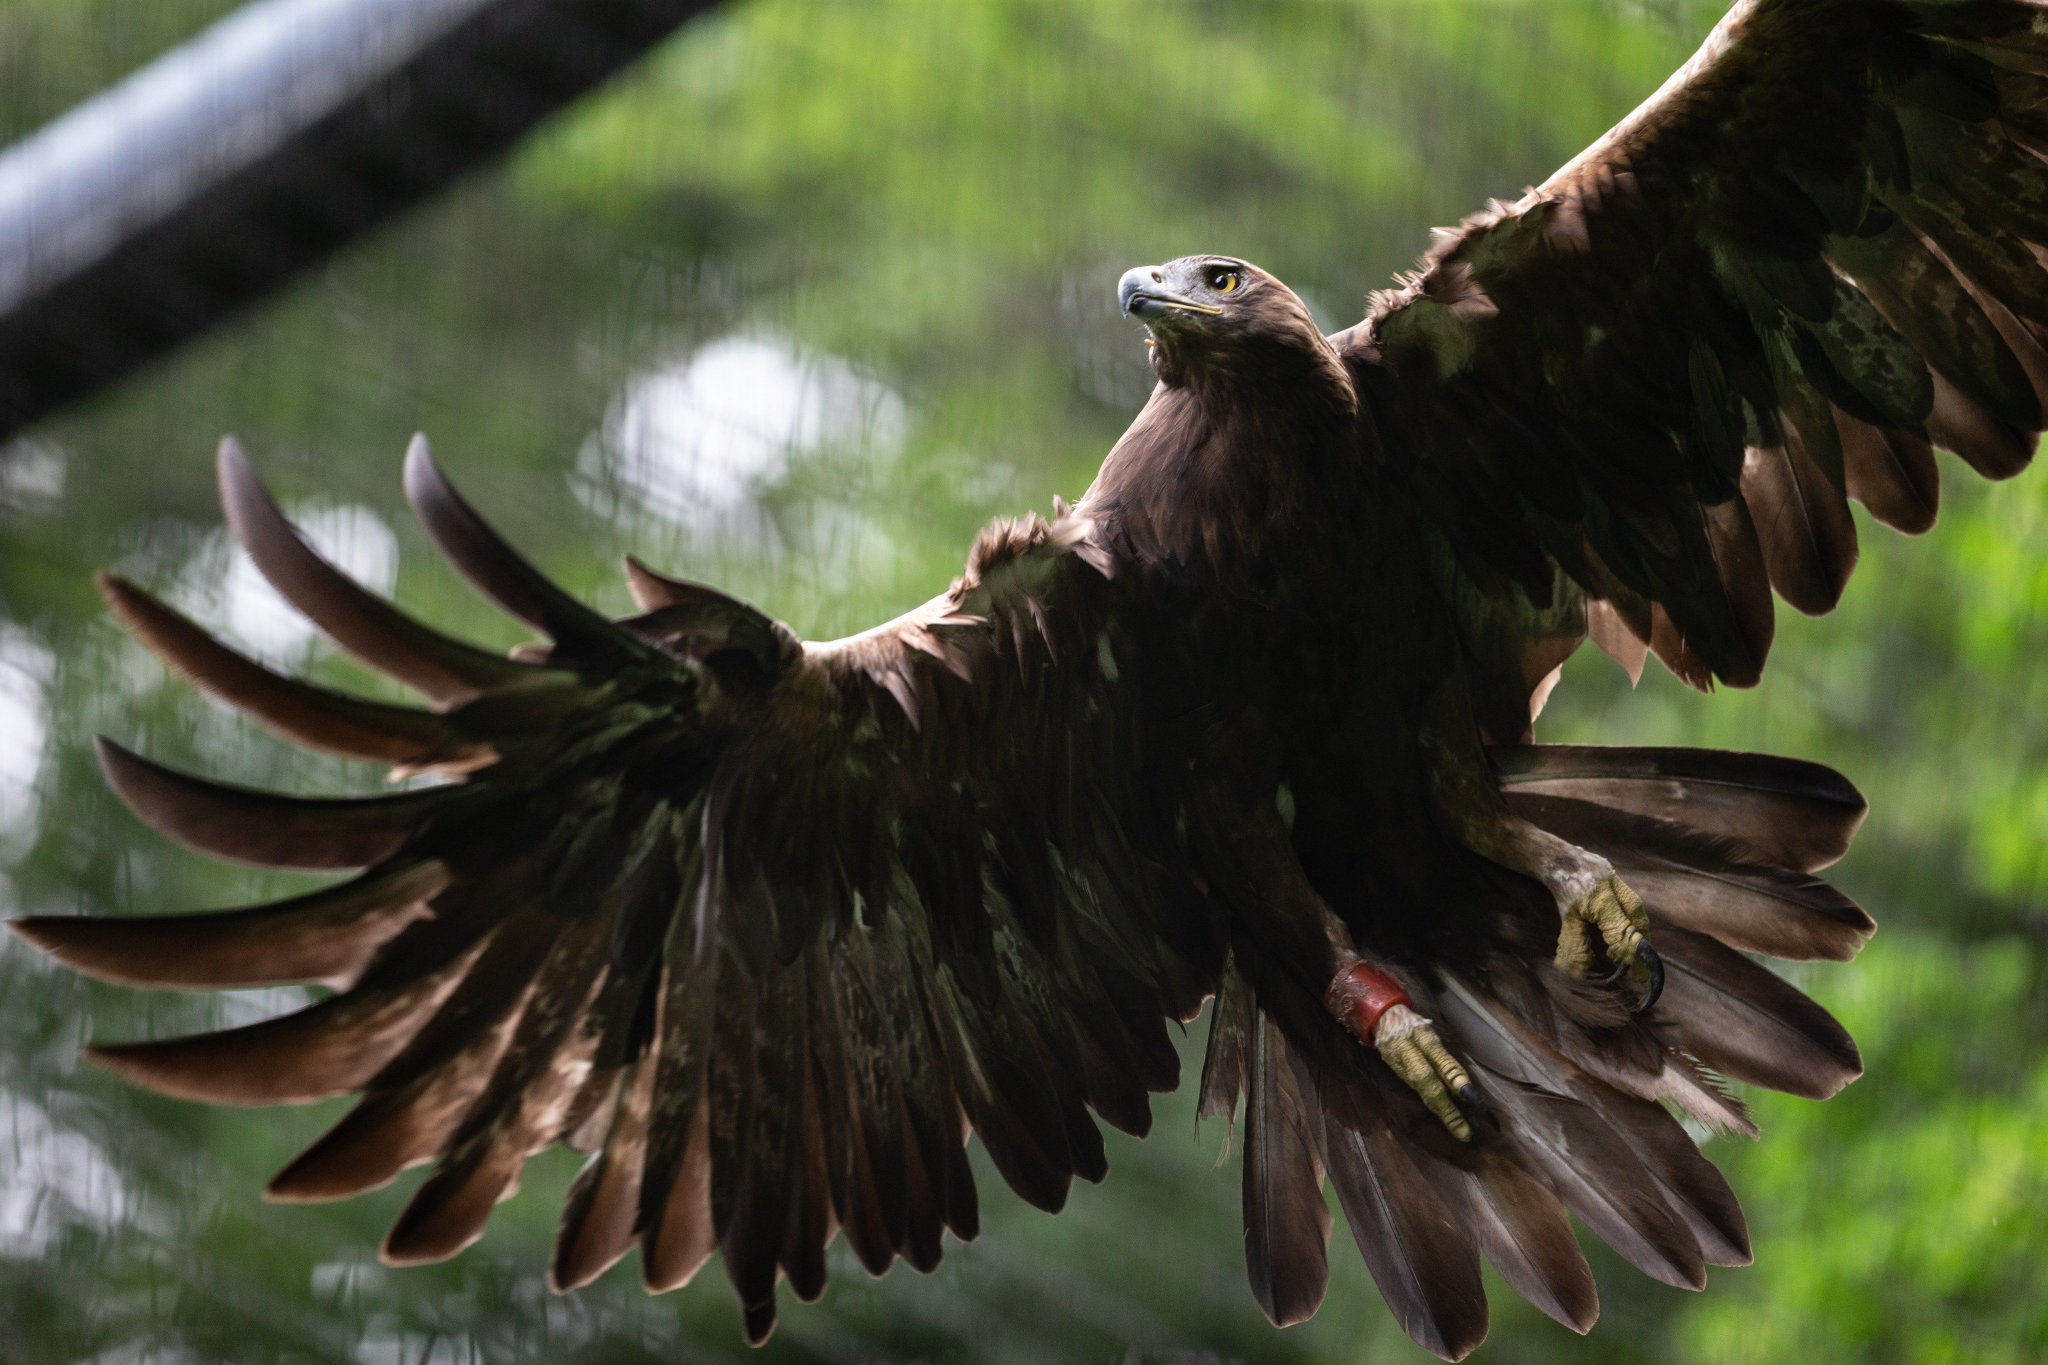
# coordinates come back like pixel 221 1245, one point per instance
pixel 770 927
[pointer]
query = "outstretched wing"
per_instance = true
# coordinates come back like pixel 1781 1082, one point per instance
pixel 1636 400
pixel 764 926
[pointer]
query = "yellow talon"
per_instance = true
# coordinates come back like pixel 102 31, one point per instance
pixel 1614 913
pixel 1408 1043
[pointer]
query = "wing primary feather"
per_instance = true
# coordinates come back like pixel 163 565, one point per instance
pixel 328 1048
pixel 654 591
pixel 500 572
pixel 371 629
pixel 313 716
pixel 262 828
pixel 327 936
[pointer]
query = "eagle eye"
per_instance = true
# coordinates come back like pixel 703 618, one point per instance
pixel 1223 281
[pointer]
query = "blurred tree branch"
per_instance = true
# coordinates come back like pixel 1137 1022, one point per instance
pixel 278 136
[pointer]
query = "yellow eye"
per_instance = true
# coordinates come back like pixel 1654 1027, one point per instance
pixel 1224 281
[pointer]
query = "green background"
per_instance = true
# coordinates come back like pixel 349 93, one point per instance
pixel 795 307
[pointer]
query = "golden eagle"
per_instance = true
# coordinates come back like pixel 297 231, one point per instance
pixel 768 926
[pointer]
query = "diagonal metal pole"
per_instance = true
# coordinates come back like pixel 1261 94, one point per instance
pixel 288 129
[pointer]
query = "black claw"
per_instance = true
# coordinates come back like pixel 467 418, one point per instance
pixel 1472 1102
pixel 1649 957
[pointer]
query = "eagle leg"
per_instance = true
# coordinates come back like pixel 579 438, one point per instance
pixel 1601 913
pixel 1374 1007
pixel 1250 866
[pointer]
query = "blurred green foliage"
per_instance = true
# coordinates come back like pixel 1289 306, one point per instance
pixel 794 308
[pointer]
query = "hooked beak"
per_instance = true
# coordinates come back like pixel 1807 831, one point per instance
pixel 1142 292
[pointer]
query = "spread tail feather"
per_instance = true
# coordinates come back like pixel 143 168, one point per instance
pixel 1286 1222
pixel 1709 883
pixel 1720 847
pixel 1782 811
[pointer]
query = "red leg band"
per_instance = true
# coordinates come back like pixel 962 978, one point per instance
pixel 1359 995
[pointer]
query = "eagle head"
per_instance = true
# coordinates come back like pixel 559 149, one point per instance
pixel 1216 319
